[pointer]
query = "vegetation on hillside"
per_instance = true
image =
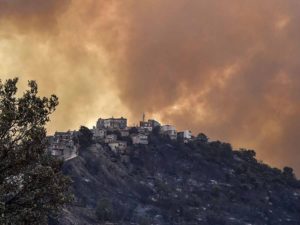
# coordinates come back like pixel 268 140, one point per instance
pixel 171 182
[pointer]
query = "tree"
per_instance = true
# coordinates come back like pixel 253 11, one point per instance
pixel 85 137
pixel 156 130
pixel 290 177
pixel 247 154
pixel 133 130
pixel 202 137
pixel 31 182
pixel 288 172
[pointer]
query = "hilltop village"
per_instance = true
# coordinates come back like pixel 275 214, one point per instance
pixel 154 174
pixel 114 133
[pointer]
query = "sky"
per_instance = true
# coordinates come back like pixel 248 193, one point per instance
pixel 229 69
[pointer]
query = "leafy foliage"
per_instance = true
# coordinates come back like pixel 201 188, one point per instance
pixel 31 182
pixel 85 137
pixel 202 137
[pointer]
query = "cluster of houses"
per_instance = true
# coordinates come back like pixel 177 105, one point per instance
pixel 114 133
pixel 63 145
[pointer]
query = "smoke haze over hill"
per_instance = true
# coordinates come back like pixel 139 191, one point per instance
pixel 229 69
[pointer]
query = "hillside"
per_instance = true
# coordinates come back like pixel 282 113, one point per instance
pixel 168 183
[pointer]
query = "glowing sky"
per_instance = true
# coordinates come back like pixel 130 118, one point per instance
pixel 227 68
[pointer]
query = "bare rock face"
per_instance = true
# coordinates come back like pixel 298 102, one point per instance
pixel 167 183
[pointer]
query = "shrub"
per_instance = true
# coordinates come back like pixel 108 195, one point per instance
pixel 156 131
pixel 85 137
pixel 202 137
pixel 104 210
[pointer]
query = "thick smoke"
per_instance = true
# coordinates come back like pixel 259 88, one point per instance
pixel 63 45
pixel 31 14
pixel 226 68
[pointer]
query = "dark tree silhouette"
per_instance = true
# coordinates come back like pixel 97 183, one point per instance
pixel 133 130
pixel 85 137
pixel 31 183
pixel 202 137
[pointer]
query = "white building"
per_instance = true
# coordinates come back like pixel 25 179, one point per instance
pixel 62 145
pixel 110 138
pixel 144 130
pixel 124 133
pixel 57 149
pixel 139 139
pixel 64 151
pixel 149 125
pixel 64 136
pixel 118 146
pixel 185 135
pixel 170 131
pixel 99 134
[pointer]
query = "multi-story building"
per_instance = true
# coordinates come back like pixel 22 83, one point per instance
pixel 124 133
pixel 170 131
pixel 118 146
pixel 64 136
pixel 110 138
pixel 144 130
pixel 185 135
pixel 62 145
pixel 139 139
pixel 149 125
pixel 112 123
pixel 99 134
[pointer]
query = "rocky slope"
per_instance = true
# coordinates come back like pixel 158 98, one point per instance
pixel 172 183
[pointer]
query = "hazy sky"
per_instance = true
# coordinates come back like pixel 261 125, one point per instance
pixel 227 68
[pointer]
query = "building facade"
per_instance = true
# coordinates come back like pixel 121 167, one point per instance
pixel 170 131
pixel 112 123
pixel 124 133
pixel 139 139
pixel 110 138
pixel 185 135
pixel 118 146
pixel 149 125
pixel 63 146
pixel 99 134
